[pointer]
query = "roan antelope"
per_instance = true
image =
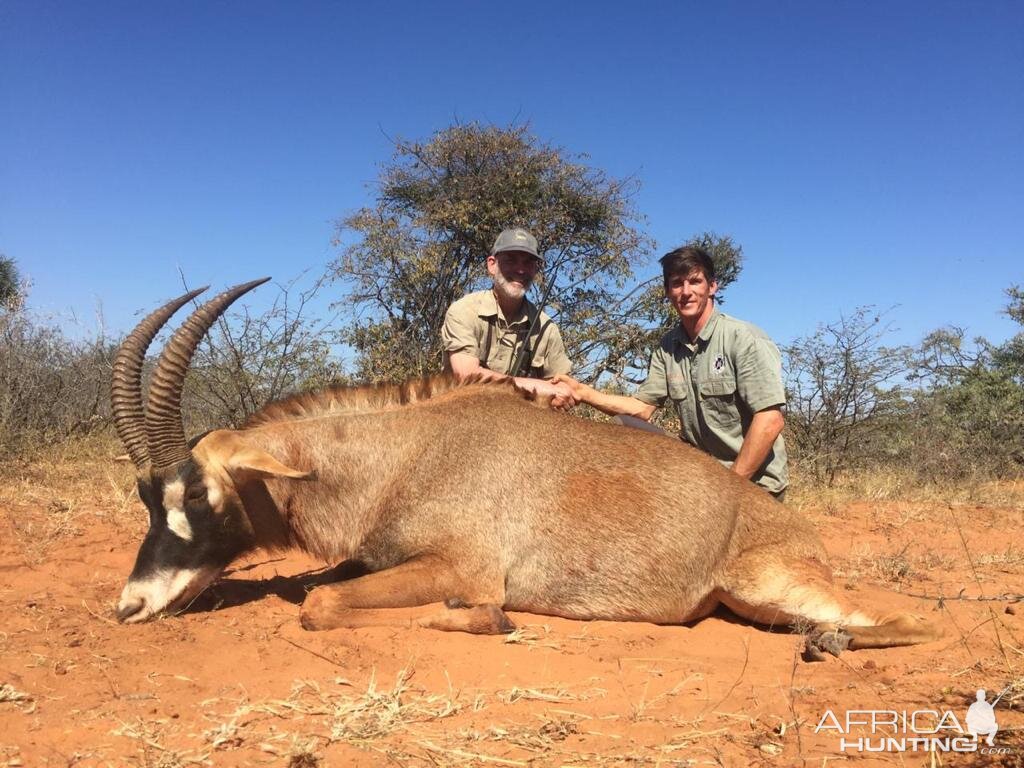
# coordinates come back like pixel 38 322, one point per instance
pixel 429 485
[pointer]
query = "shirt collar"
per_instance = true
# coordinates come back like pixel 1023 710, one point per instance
pixel 489 308
pixel 709 326
pixel 681 337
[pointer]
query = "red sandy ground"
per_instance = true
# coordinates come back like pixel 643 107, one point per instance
pixel 236 681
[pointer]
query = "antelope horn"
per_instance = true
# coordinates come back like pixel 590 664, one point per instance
pixel 167 446
pixel 126 383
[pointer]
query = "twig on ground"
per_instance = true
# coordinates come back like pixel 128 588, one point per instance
pixel 739 678
pixel 1006 597
pixel 97 616
pixel 310 650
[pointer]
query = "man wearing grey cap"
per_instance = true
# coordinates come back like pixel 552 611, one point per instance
pixel 484 332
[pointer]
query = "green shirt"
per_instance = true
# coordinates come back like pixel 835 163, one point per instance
pixel 475 325
pixel 717 383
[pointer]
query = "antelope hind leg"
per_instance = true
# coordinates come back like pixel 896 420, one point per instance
pixel 892 631
pixel 402 596
pixel 763 587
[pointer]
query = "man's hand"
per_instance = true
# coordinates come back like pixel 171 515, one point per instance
pixel 562 398
pixel 613 405
pixel 575 389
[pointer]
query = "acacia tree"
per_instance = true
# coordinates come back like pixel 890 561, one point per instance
pixel 439 207
pixel 841 387
pixel 10 284
pixel 1009 357
pixel 975 395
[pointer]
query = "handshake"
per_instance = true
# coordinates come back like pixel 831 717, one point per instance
pixel 564 390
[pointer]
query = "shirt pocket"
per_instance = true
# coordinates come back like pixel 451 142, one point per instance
pixel 718 397
pixel 676 390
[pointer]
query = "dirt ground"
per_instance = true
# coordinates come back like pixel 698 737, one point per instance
pixel 236 681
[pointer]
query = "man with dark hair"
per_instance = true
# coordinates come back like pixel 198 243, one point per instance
pixel 723 376
pixel 485 331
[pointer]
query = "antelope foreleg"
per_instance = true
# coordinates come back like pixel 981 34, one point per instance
pixel 411 586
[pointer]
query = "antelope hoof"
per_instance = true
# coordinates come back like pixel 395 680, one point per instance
pixel 811 652
pixel 315 613
pixel 486 619
pixel 830 641
pixel 500 621
pixel 482 618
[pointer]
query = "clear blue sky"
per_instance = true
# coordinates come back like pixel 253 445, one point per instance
pixel 861 152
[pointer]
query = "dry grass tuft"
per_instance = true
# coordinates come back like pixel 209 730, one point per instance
pixel 1015 692
pixel 152 753
pixel 377 713
pixel 303 754
pixel 553 693
pixel 1008 561
pixel 49 500
pixel 11 695
pixel 903 485
pixel 359 719
pixel 894 568
pixel 541 738
pixel 532 635
pixel 228 735
pixel 398 720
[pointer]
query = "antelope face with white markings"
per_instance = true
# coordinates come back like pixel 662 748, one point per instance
pixel 193 535
pixel 195 528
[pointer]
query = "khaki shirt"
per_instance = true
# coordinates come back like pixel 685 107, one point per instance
pixel 466 327
pixel 717 383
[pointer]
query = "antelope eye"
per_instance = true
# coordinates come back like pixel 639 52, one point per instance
pixel 195 493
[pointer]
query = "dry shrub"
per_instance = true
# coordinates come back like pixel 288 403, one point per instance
pixel 55 389
pixel 902 484
pixel 52 387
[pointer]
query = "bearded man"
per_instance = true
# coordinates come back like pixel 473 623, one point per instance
pixel 484 332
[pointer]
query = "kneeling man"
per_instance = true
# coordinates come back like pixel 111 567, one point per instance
pixel 484 332
pixel 723 376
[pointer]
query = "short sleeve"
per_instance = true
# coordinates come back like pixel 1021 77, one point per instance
pixel 654 390
pixel 457 333
pixel 758 366
pixel 555 360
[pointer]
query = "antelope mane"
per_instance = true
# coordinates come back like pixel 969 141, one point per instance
pixel 342 400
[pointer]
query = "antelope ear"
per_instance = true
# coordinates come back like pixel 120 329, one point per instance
pixel 254 461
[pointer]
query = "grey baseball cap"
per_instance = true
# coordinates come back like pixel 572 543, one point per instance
pixel 515 239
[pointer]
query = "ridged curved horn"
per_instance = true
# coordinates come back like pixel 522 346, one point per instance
pixel 126 383
pixel 167 446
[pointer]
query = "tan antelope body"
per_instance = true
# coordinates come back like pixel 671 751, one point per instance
pixel 478 497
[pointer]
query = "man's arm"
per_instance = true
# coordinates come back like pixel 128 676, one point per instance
pixel 757 443
pixel 759 384
pixel 613 405
pixel 465 365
